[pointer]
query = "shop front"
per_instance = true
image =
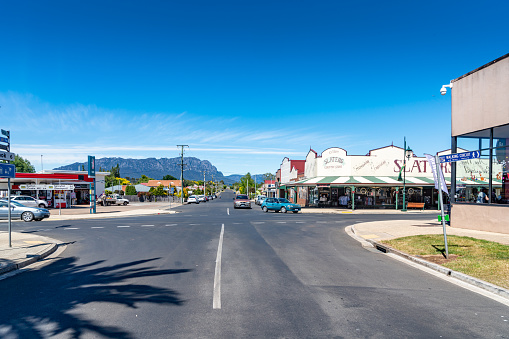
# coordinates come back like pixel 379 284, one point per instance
pixel 59 188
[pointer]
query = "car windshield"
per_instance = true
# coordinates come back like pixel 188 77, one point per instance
pixel 14 203
pixel 242 197
pixel 283 200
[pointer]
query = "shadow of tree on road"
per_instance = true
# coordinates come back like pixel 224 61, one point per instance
pixel 40 303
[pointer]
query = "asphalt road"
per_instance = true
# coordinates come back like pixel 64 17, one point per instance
pixel 212 271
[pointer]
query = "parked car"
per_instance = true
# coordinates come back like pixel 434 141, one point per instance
pixel 113 199
pixel 19 211
pixel 241 201
pixel 29 201
pixel 192 199
pixel 201 198
pixel 259 199
pixel 279 205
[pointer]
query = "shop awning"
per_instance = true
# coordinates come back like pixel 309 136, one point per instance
pixel 384 181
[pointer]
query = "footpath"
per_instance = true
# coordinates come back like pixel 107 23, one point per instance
pixel 28 248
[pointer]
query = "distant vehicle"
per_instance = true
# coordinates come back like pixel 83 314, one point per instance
pixel 113 199
pixel 259 199
pixel 19 211
pixel 280 205
pixel 241 201
pixel 201 198
pixel 192 199
pixel 29 201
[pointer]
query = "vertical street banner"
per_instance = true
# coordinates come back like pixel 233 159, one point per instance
pixel 432 163
pixel 91 166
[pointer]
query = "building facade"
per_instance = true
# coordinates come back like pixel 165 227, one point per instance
pixel 480 122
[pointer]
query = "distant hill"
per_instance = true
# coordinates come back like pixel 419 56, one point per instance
pixel 158 168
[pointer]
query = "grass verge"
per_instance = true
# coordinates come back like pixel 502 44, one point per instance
pixel 478 258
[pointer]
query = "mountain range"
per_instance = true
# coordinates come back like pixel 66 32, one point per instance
pixel 158 168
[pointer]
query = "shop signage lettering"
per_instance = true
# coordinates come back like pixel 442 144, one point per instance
pixel 337 160
pixel 372 165
pixel 46 187
pixel 417 166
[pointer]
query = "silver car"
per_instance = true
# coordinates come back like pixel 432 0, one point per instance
pixel 19 211
pixel 29 201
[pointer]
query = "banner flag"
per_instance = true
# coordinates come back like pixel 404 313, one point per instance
pixel 432 163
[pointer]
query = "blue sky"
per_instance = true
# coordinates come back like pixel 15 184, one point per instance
pixel 243 83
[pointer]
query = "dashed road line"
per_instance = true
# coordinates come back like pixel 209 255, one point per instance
pixel 281 222
pixel 228 211
pixel 147 225
pixel 97 227
pixel 194 224
pixel 123 226
pixel 71 228
pixel 171 225
pixel 216 298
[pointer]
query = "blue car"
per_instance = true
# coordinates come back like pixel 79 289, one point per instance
pixel 279 204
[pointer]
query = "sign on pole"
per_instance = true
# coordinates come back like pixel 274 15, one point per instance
pixel 7 170
pixel 91 166
pixel 6 140
pixel 441 181
pixel 7 156
pixel 6 133
pixel 459 156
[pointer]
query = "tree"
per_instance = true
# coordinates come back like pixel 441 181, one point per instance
pixel 169 177
pixel 245 183
pixel 130 190
pixel 268 176
pixel 23 165
pixel 144 179
pixel 111 179
pixel 159 190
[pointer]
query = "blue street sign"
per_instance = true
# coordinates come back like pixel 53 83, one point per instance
pixel 6 140
pixel 6 133
pixel 459 156
pixel 7 170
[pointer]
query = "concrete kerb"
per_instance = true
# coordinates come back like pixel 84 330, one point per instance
pixel 28 261
pixel 446 271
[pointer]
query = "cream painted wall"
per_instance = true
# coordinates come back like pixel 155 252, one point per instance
pixel 480 100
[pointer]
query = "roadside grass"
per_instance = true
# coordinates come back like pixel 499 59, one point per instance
pixel 478 258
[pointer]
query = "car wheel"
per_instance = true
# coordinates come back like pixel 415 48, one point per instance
pixel 125 203
pixel 265 209
pixel 27 216
pixel 283 209
pixel 295 211
pixel 42 206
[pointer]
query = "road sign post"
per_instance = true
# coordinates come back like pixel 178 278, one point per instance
pixel 7 170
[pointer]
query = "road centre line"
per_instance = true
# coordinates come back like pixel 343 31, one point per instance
pixel 228 211
pixel 216 299
pixel 97 227
pixel 147 225
pixel 71 228
pixel 171 225
pixel 123 226
pixel 281 222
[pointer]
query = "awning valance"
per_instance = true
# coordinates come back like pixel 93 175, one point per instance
pixel 385 181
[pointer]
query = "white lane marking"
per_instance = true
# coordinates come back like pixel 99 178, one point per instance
pixel 147 225
pixel 228 211
pixel 322 222
pixel 96 227
pixel 238 223
pixel 216 301
pixel 194 224
pixel 281 222
pixel 171 225
pixel 258 222
pixel 123 226
pixel 299 222
pixel 71 228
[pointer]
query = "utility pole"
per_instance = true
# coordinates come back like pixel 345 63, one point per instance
pixel 182 172
pixel 204 186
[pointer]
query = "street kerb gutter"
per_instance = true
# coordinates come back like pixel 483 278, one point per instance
pixel 500 291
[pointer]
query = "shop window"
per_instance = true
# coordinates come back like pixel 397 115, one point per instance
pixel 474 141
pixel 500 166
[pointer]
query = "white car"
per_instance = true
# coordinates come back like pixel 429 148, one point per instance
pixel 201 198
pixel 192 199
pixel 29 201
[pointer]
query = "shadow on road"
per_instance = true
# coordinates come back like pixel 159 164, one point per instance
pixel 40 303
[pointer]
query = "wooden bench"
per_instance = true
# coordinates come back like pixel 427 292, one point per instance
pixel 415 205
